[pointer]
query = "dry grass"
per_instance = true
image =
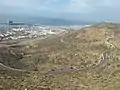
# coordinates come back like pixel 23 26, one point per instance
pixel 83 49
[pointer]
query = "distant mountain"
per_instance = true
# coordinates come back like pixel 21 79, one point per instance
pixel 56 21
pixel 41 20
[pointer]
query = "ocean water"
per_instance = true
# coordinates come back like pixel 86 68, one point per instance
pixel 3 25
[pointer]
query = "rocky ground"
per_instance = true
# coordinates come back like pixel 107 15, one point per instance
pixel 80 48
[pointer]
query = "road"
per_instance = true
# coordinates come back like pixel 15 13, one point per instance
pixel 101 64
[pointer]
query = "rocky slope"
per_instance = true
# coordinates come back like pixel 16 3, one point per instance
pixel 76 49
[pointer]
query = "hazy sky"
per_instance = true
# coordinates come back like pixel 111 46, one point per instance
pixel 106 10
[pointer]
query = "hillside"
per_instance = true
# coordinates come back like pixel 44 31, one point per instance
pixel 70 61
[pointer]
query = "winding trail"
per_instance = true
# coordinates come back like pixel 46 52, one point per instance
pixel 100 65
pixel 109 45
pixel 6 68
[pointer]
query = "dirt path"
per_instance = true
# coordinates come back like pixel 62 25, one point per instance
pixel 101 64
pixel 6 68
